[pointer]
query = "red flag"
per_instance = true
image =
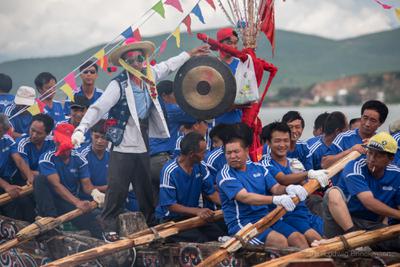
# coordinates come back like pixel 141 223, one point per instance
pixel 211 2
pixel 383 5
pixel 174 3
pixel 268 22
pixel 103 64
pixel 162 47
pixel 136 35
pixel 188 21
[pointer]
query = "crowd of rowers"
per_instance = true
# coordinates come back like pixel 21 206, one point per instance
pixel 205 166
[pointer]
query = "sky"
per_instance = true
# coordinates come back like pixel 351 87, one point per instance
pixel 59 27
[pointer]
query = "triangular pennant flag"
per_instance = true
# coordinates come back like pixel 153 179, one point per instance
pixel 383 5
pixel 162 47
pixel 68 91
pixel 188 21
pixel 100 54
pixel 37 107
pixel 397 11
pixel 128 33
pixel 103 63
pixel 174 3
pixel 197 11
pixel 177 35
pixel 136 35
pixel 159 8
pixel 70 80
pixel 211 2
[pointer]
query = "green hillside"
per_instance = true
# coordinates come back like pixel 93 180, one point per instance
pixel 302 59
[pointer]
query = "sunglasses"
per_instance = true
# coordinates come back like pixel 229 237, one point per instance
pixel 89 71
pixel 138 58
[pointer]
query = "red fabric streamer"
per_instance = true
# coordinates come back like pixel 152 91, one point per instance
pixel 62 136
pixel 268 22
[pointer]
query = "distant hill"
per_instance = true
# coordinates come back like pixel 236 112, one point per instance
pixel 302 59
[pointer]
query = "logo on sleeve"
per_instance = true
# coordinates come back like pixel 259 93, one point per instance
pixel 257 175
pixel 387 188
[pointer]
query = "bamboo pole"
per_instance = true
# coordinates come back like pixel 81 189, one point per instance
pixel 354 241
pixel 5 198
pixel 251 230
pixel 42 225
pixel 141 238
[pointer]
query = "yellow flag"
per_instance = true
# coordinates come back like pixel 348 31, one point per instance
pixel 177 35
pixel 100 54
pixel 68 91
pixel 34 109
pixel 397 11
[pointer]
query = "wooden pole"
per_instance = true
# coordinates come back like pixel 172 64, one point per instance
pixel 5 198
pixel 42 225
pixel 251 230
pixel 361 238
pixel 141 238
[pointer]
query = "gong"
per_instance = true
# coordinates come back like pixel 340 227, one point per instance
pixel 205 87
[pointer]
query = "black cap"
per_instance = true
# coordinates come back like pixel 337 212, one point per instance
pixel 80 102
pixel 5 83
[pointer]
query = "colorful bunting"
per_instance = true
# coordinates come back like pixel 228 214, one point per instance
pixel 103 63
pixel 100 54
pixel 397 11
pixel 383 4
pixel 211 3
pixel 159 8
pixel 68 91
pixel 70 80
pixel 175 3
pixel 177 35
pixel 37 107
pixel 136 35
pixel 128 33
pixel 162 47
pixel 188 21
pixel 197 11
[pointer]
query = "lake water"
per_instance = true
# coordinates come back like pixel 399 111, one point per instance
pixel 268 115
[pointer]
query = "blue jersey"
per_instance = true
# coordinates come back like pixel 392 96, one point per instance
pixel 344 141
pixel 96 95
pixel 177 150
pixel 178 187
pixel 396 160
pixel 29 152
pixel 20 123
pixel 56 112
pixel 356 179
pixel 175 118
pixel 256 179
pixel 230 117
pixel 312 140
pixel 317 151
pixel 215 160
pixel 7 166
pixel 70 174
pixel 5 100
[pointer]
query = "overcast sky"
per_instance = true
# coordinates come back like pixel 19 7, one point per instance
pixel 35 28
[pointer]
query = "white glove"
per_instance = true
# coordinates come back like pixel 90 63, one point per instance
pixel 77 138
pixel 296 166
pixel 320 175
pixel 297 190
pixel 98 196
pixel 285 201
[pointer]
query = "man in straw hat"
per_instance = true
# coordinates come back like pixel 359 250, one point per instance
pixel 367 192
pixel 131 100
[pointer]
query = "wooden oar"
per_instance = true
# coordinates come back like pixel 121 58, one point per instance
pixel 354 240
pixel 141 238
pixel 40 226
pixel 5 198
pixel 251 230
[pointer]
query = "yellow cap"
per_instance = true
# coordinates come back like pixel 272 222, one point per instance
pixel 383 141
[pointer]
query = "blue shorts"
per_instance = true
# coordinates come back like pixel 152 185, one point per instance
pixel 280 227
pixel 299 218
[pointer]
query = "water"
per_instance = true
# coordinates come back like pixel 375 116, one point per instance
pixel 268 115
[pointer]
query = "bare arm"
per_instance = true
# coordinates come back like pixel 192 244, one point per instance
pixel 252 198
pixel 214 197
pixel 278 189
pixel 328 161
pixel 12 190
pixel 376 206
pixel 288 179
pixel 27 173
pixel 201 212
pixel 60 189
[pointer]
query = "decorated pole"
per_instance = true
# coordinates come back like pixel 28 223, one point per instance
pixel 25 190
pixel 141 238
pixel 41 226
pixel 251 230
pixel 348 241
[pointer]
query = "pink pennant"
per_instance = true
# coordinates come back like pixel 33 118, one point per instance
pixel 211 3
pixel 136 35
pixel 162 47
pixel 383 5
pixel 188 21
pixel 70 80
pixel 174 3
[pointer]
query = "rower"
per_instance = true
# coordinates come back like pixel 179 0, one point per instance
pixel 5 87
pixel 368 191
pixel 394 129
pixel 318 129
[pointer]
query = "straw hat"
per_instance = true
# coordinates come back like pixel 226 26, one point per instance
pixel 131 44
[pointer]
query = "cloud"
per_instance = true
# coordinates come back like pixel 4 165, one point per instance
pixel 59 27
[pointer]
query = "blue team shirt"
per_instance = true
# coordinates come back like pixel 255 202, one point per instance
pixel 396 160
pixel 178 187
pixel 177 150
pixel 7 166
pixel 344 141
pixel 215 160
pixel 29 151
pixel 317 151
pixel 175 118
pixel 70 174
pixel 312 140
pixel 256 179
pixel 96 95
pixel 56 112
pixel 356 178
pixel 20 123
pixel 5 100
